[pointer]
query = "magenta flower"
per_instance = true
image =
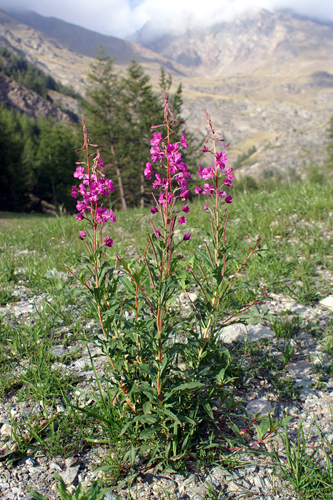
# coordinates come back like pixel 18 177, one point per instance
pixel 148 171
pixel 102 215
pixel 208 189
pixel 79 216
pixel 182 220
pixel 186 209
pixel 154 210
pixel 181 256
pixel 228 199
pixel 83 234
pixel 156 139
pixel 108 242
pixel 200 171
pixel 208 173
pixel 184 194
pixel 101 163
pixel 79 172
pixel 206 207
pixel 156 154
pixel 158 234
pixel 222 194
pixel 198 190
pixel 205 150
pixel 227 182
pixel 183 141
pixel 74 191
pixel 187 237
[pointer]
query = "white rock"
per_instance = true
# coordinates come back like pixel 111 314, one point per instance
pixel 6 430
pixel 57 350
pixel 327 302
pixel 257 332
pixel 69 475
pixel 234 332
pixel 260 405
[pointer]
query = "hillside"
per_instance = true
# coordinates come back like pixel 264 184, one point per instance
pixel 16 96
pixel 266 79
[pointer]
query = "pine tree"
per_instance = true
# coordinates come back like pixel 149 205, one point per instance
pixel 14 176
pixel 54 164
pixel 142 111
pixel 106 116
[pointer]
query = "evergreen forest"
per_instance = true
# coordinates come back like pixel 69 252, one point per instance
pixel 37 157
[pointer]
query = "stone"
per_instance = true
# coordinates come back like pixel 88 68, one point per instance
pixel 260 405
pixel 69 475
pixel 257 332
pixel 234 332
pixel 57 350
pixel 327 302
pixel 6 430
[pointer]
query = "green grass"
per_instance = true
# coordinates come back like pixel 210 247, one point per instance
pixel 296 227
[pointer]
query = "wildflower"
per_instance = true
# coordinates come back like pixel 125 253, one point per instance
pixel 181 256
pixel 200 171
pixel 108 242
pixel 187 237
pixel 154 210
pixel 102 215
pixel 156 139
pixel 148 171
pixel 186 209
pixel 208 189
pixel 79 172
pixel 198 190
pixel 83 234
pixel 184 194
pixel 74 191
pixel 206 207
pixel 183 141
pixel 182 220
pixel 222 194
pixel 101 163
pixel 228 199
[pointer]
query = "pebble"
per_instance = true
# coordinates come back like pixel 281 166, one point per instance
pixel 251 479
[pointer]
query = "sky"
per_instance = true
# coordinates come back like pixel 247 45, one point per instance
pixel 122 18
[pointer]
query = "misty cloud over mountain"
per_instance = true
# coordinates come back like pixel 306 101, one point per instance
pixel 122 18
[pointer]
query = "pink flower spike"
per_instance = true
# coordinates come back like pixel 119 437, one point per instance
pixel 83 234
pixel 154 210
pixel 183 141
pixel 182 220
pixel 186 209
pixel 108 242
pixel 187 237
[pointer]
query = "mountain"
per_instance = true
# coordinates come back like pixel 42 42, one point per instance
pixel 265 78
pixel 84 41
pixel 15 96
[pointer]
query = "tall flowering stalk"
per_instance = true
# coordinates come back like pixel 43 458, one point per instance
pixel 214 285
pixel 153 396
pixel 90 193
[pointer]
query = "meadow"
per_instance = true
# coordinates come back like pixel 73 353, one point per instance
pixel 295 223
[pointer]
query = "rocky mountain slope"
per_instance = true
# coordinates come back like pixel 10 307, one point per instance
pixel 266 79
pixel 15 96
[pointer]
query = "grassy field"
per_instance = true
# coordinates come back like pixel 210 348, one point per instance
pixel 294 222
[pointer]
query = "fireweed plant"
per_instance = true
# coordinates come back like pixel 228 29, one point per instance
pixel 168 368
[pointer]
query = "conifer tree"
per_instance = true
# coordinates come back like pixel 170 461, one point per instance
pixel 142 111
pixel 106 116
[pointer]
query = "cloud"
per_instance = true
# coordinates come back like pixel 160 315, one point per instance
pixel 123 17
